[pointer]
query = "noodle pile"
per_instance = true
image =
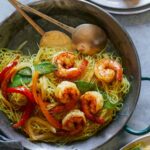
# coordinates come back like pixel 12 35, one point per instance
pixel 37 127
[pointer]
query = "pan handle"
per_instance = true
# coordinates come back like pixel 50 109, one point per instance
pixel 138 132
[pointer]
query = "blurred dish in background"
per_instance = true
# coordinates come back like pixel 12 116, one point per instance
pixel 142 143
pixel 124 7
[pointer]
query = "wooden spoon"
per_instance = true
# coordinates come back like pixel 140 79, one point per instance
pixel 86 38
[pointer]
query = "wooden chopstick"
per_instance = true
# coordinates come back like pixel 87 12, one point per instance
pixel 46 17
pixel 35 25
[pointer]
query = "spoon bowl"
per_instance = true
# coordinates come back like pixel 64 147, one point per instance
pixel 56 39
pixel 89 39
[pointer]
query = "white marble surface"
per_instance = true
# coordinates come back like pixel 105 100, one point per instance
pixel 138 27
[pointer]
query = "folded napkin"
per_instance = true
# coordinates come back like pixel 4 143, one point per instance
pixel 8 144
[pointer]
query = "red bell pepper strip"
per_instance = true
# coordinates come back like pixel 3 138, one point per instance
pixel 6 79
pixel 8 68
pixel 55 123
pixel 26 114
pixel 6 74
pixel 22 90
pixel 50 118
pixel 28 108
pixel 34 86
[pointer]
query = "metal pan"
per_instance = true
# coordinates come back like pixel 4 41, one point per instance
pixel 14 30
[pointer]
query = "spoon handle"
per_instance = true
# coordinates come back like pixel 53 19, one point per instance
pixel 46 17
pixel 35 25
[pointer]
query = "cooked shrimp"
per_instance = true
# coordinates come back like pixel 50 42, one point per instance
pixel 67 94
pixel 67 91
pixel 107 70
pixel 74 122
pixel 67 67
pixel 92 102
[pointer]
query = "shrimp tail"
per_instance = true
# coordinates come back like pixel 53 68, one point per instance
pixel 93 118
pixel 62 132
pixel 78 130
pixel 99 120
pixel 77 72
pixel 85 109
pixel 119 74
pixel 69 106
pixel 83 65
pixel 119 70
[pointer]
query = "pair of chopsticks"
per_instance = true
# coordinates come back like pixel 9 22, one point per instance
pixel 19 8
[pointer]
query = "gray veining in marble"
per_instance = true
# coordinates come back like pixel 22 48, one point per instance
pixel 138 27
